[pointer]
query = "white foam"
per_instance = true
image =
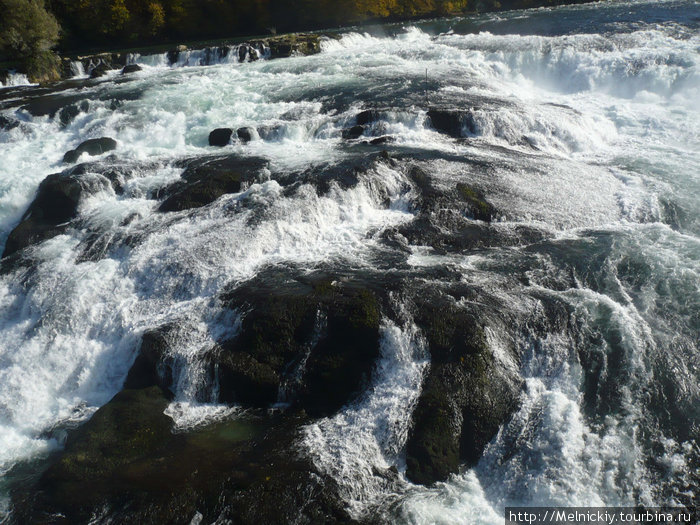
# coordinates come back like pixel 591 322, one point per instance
pixel 367 437
pixel 572 133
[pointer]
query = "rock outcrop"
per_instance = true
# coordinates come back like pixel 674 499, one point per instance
pixel 205 179
pixel 91 147
pixel 466 396
pixel 309 339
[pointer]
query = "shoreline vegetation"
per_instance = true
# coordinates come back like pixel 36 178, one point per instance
pixel 39 38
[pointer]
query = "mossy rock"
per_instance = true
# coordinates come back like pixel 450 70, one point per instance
pixel 43 67
pixel 127 466
pixel 130 427
pixel 294 44
pixel 480 208
pixel 466 396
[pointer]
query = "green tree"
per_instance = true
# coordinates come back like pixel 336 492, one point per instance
pixel 26 28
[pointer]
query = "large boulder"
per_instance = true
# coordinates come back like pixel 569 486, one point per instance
pixel 467 395
pixel 91 147
pixel 127 465
pixel 130 427
pixel 54 206
pixel 220 137
pixel 205 179
pixel 307 341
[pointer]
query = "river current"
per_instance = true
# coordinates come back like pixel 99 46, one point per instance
pixel 583 130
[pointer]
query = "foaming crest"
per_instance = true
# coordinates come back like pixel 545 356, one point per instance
pixel 361 445
pixel 83 320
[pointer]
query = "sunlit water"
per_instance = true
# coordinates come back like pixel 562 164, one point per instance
pixel 588 120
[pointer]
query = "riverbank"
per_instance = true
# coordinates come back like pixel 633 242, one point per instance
pixel 47 67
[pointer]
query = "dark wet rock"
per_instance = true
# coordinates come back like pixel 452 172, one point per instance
pixel 367 117
pixel 438 201
pixel 131 68
pixel 245 134
pixel 128 466
pixel 244 470
pixel 100 70
pixel 466 397
pixel 317 338
pixel 247 52
pixel 55 205
pixel 354 132
pixel 380 141
pixel 174 54
pixel 294 44
pixel 205 179
pixel 130 427
pixel 220 137
pixel 344 174
pixel 7 123
pixel 452 122
pixel 91 147
pixel 153 365
pixel 68 113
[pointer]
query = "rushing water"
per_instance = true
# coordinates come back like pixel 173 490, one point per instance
pixel 585 127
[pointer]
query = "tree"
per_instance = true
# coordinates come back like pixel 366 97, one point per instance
pixel 26 28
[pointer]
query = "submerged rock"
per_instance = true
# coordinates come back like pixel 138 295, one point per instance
pixel 220 137
pixel 91 147
pixel 245 134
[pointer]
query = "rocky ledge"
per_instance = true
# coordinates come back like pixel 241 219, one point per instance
pixel 306 344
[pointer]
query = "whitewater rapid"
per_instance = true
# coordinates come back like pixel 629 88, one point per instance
pixel 588 133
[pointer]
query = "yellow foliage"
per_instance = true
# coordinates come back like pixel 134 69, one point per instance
pixel 120 14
